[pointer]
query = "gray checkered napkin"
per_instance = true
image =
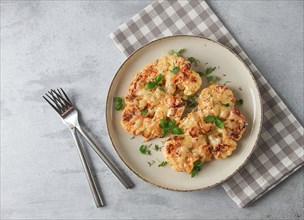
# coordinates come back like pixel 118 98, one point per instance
pixel 280 148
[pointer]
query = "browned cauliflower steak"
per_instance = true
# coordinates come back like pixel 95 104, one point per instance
pixel 146 106
pixel 203 136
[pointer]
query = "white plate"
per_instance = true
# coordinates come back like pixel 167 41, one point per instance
pixel 230 65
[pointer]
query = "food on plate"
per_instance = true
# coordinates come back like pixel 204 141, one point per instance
pixel 158 92
pixel 155 104
pixel 211 130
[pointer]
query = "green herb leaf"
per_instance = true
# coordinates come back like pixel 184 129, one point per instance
pixel 179 53
pixel 227 104
pixel 193 61
pixel 175 70
pixel 163 123
pixel 164 131
pixel 177 130
pixel 201 73
pixel 209 119
pixel 158 78
pixel 157 148
pixel 239 102
pixel 144 150
pixel 119 106
pixel 144 112
pixel 171 52
pixel 212 78
pixel 171 123
pixel 162 164
pixel 198 163
pixel 150 85
pixel 118 99
pixel 219 123
pixel 196 168
pixel 209 70
pixel 151 163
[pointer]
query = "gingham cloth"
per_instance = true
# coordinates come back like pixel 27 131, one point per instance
pixel 279 151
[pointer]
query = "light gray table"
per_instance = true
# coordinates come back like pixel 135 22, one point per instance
pixel 46 44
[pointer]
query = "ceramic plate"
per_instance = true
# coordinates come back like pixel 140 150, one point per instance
pixel 230 69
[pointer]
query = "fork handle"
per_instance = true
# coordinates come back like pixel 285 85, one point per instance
pixel 123 179
pixel 88 172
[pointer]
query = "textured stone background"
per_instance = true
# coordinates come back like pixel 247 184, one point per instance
pixel 46 44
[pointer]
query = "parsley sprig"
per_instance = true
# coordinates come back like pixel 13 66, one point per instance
pixel 193 61
pixel 144 149
pixel 216 119
pixel 119 104
pixel 167 125
pixel 178 53
pixel 210 78
pixel 196 168
pixel 162 164
pixel 152 84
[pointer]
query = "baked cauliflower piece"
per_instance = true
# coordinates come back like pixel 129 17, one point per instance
pixel 216 125
pixel 156 93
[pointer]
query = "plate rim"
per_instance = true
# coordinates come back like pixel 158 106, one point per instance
pixel 259 97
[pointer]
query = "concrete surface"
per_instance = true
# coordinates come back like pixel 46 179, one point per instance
pixel 46 44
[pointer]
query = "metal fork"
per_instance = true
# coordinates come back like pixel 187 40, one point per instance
pixel 64 107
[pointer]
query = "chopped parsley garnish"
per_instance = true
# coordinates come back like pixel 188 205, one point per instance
pixel 212 79
pixel 177 130
pixel 239 102
pixel 119 104
pixel 162 164
pixel 207 71
pixel 191 101
pixel 227 104
pixel 209 119
pixel 151 163
pixel 219 123
pixel 175 69
pixel 157 148
pixel 132 137
pixel 164 131
pixel 178 53
pixel 240 88
pixel 167 124
pixel 144 150
pixel 193 61
pixel 151 85
pixel 227 82
pixel 144 111
pixel 216 119
pixel 196 168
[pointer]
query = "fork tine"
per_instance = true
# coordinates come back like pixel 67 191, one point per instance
pixel 54 99
pixel 60 100
pixel 52 105
pixel 65 103
pixel 66 95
